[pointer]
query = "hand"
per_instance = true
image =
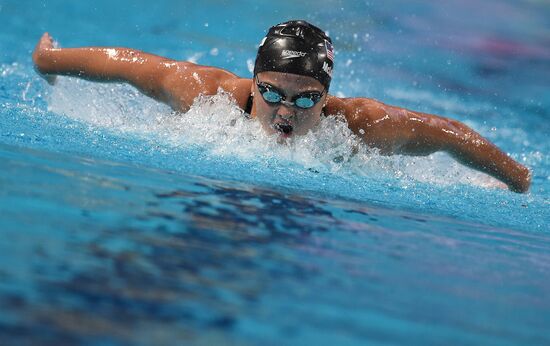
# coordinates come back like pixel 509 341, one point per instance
pixel 44 46
pixel 522 180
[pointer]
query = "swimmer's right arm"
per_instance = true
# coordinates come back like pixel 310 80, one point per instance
pixel 176 83
pixel 142 70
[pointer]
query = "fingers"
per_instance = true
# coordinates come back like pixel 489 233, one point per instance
pixel 39 57
pixel 46 41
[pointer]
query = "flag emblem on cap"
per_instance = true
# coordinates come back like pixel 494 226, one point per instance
pixel 330 51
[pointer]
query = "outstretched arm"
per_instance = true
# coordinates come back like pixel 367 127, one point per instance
pixel 144 71
pixel 176 83
pixel 400 131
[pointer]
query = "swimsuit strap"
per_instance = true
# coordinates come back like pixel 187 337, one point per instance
pixel 248 108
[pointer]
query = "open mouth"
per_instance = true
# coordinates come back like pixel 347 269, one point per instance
pixel 285 129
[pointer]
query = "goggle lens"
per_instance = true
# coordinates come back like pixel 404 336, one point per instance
pixel 271 96
pixel 305 102
pixel 301 101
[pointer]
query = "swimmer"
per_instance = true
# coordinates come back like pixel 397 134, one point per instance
pixel 288 95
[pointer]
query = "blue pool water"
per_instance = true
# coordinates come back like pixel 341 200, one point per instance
pixel 123 223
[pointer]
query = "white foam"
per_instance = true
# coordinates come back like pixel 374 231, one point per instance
pixel 218 125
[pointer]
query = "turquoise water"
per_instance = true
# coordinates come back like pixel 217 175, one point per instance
pixel 123 223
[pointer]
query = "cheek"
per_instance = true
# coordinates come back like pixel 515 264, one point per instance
pixel 306 122
pixel 311 117
pixel 264 116
pixel 263 112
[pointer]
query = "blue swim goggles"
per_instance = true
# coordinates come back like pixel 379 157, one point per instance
pixel 273 95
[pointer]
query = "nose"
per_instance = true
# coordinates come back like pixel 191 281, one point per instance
pixel 285 111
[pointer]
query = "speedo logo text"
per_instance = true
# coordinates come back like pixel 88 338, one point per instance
pixel 289 54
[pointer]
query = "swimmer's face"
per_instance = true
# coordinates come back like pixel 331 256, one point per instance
pixel 282 118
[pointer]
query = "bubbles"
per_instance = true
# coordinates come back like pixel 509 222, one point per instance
pixel 250 65
pixel 11 69
pixel 194 58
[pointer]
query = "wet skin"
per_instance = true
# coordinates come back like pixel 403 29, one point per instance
pixel 391 129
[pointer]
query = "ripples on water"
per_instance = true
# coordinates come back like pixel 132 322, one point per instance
pixel 146 256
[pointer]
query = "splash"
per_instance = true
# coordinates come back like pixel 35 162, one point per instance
pixel 216 124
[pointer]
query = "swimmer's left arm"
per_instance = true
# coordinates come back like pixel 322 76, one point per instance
pixel 400 131
pixel 429 133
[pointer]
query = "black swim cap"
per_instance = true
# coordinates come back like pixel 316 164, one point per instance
pixel 297 47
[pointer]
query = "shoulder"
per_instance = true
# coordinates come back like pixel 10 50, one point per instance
pixel 186 80
pixel 205 76
pixel 356 108
pixel 239 88
pixel 380 125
